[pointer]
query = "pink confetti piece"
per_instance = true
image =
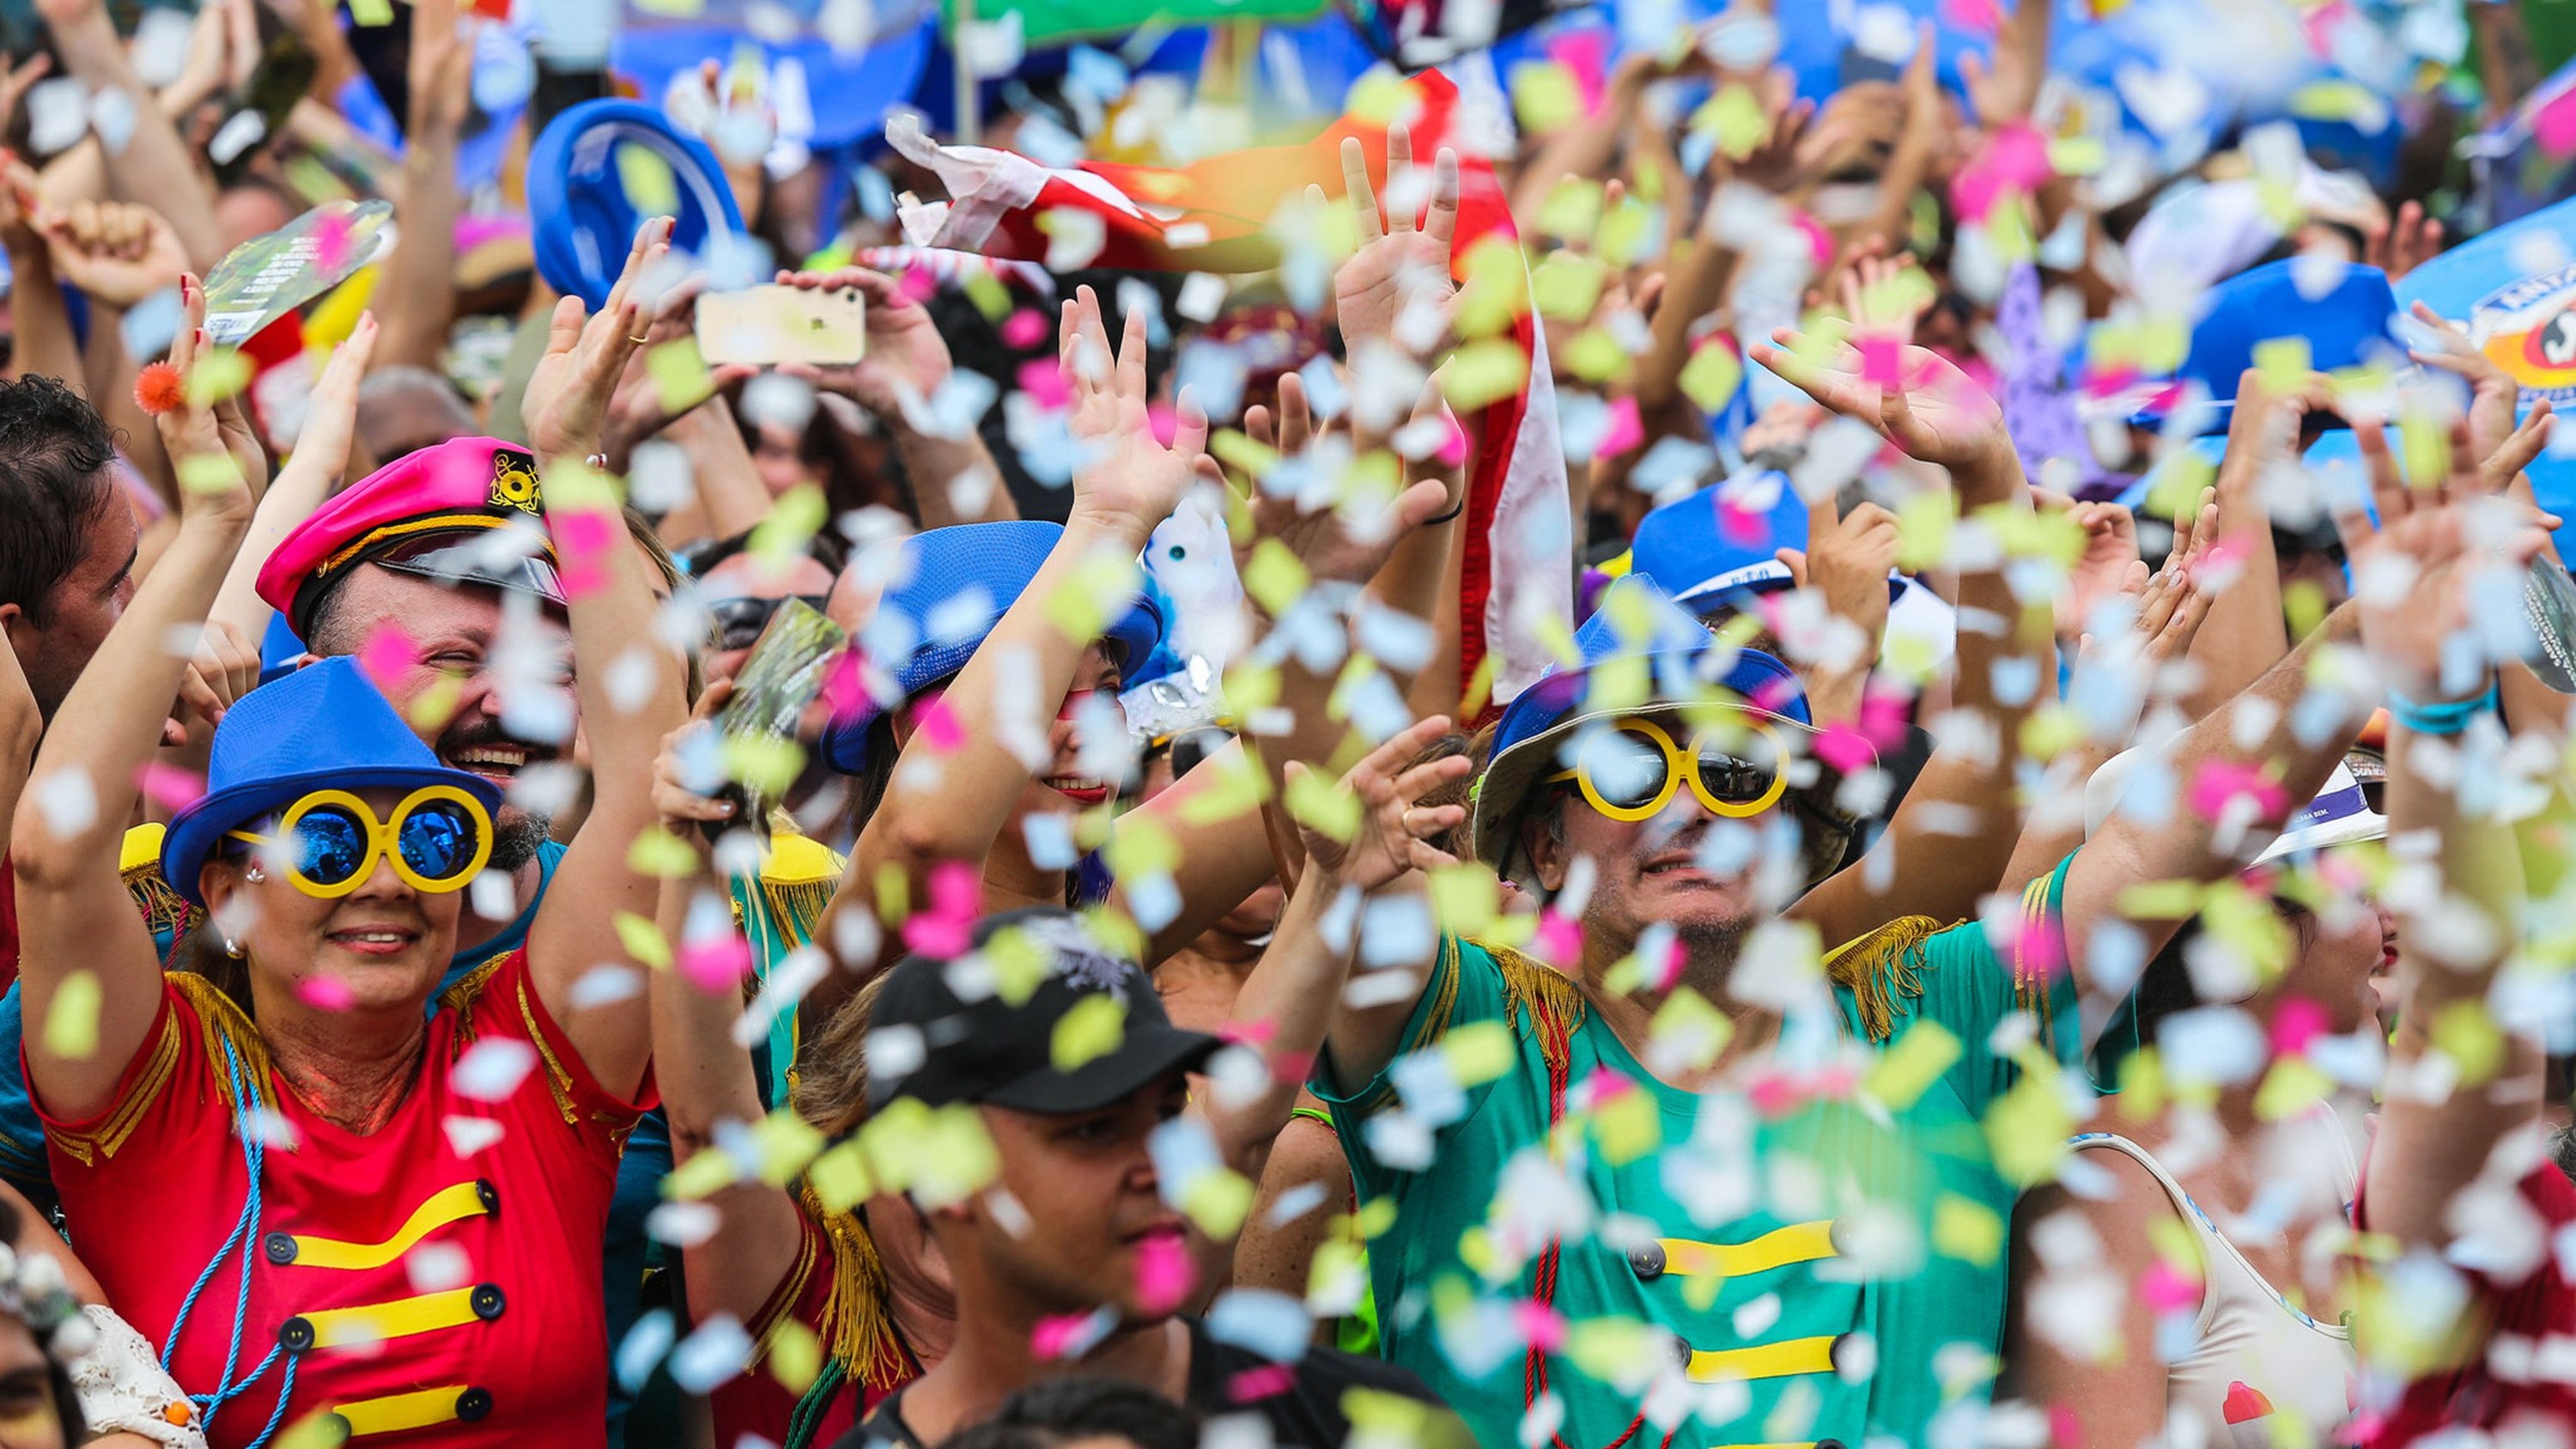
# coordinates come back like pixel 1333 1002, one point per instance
pixel 1846 749
pixel 1820 240
pixel 845 687
pixel 1072 1335
pixel 1974 192
pixel 1044 382
pixel 1740 523
pixel 918 283
pixel 325 993
pixel 1622 432
pixel 2039 950
pixel 1883 714
pixel 388 655
pixel 331 241
pixel 1292 1066
pixel 2554 125
pixel 947 928
pixel 2168 1289
pixel 936 724
pixel 1979 16
pixel 1559 937
pixel 1541 1325
pixel 587 532
pixel 1164 1273
pixel 2222 782
pixel 1255 1384
pixel 1452 451
pixel 716 964
pixel 1882 361
pixel 1248 1033
pixel 581 578
pixel 1165 422
pixel 1025 328
pixel 1585 53
pixel 2298 1022
pixel 170 786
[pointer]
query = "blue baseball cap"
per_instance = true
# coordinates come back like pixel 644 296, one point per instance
pixel 324 727
pixel 1639 651
pixel 954 584
pixel 2352 324
pixel 584 223
pixel 1687 547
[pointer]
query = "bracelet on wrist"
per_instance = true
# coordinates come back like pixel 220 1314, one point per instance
pixel 2449 717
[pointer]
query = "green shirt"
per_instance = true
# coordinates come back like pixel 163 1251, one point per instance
pixel 1823 1255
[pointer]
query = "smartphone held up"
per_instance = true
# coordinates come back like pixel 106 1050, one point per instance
pixel 770 325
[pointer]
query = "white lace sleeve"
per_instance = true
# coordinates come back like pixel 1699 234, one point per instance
pixel 122 1387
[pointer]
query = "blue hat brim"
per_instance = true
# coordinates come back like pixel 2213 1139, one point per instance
pixel 202 822
pixel 583 228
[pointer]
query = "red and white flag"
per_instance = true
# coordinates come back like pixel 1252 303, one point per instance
pixel 1214 216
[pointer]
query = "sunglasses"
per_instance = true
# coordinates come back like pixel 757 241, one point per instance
pixel 1632 769
pixel 1190 748
pixel 330 841
pixel 737 623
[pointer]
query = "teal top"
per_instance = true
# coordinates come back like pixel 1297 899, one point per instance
pixel 1842 1279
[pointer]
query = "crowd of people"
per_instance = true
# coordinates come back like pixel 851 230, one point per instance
pixel 1657 754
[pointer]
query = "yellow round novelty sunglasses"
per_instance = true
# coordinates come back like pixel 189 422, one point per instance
pixel 1631 769
pixel 329 841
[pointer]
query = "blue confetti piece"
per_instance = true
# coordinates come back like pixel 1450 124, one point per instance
pixel 1258 1320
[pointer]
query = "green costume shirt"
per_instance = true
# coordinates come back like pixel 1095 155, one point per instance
pixel 1823 1257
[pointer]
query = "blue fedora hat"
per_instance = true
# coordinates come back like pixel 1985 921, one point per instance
pixel 584 222
pixel 952 586
pixel 323 727
pixel 2352 324
pixel 1639 650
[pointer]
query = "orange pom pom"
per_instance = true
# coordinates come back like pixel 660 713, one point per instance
pixel 158 388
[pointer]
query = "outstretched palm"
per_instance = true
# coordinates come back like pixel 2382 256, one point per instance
pixel 1395 262
pixel 2413 576
pixel 1126 477
pixel 1394 832
pixel 1933 412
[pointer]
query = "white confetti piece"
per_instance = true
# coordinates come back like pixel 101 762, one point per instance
pixel 683 1224
pixel 713 1353
pixel 467 1136
pixel 245 130
pixel 492 1069
pixel 437 1267
pixel 57 115
pixel 69 800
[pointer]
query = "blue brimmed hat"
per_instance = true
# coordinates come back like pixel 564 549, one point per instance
pixel 585 222
pixel 1687 547
pixel 1639 651
pixel 2353 324
pixel 953 585
pixel 323 727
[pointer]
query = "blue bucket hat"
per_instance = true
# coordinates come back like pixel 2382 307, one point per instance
pixel 1676 661
pixel 2352 324
pixel 323 727
pixel 584 223
pixel 954 584
pixel 1687 549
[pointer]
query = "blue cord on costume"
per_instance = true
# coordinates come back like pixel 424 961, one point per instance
pixel 254 1155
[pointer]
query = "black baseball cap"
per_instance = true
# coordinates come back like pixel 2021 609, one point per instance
pixel 979 1047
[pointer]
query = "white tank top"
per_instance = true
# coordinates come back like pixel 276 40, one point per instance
pixel 2257 1365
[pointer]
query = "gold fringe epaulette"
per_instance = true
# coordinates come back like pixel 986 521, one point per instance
pixel 139 863
pixel 1532 989
pixel 1882 968
pixel 461 997
pixel 857 1323
pixel 223 1021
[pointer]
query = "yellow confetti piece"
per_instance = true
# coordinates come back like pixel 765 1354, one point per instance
pixel 71 1023
pixel 1689 1028
pixel 989 294
pixel 1238 451
pixel 1493 291
pixel 1234 787
pixel 1567 286
pixel 1925 523
pixel 2292 1086
pixel 209 473
pixel 1274 576
pixel 1142 846
pixel 1628 1126
pixel 840 1178
pixel 1712 375
pixel 662 855
pixel 1479 1052
pixel 2176 1245
pixel 644 941
pixel 1595 356
pixel 1572 210
pixel 2468 1035
pixel 767 765
pixel 1464 898
pixel 2050 731
pixel 1379 98
pixel 2142 1086
pixel 894 894
pixel 795 1355
pixel 2423 448
pixel 650 187
pixel 220 374
pixel 941 1155
pixel 2304 602
pixel 1090 1029
pixel 1967 1230
pixel 1625 230
pixel 2163 900
pixel 708 1171
pixel 1609 1349
pixel 371 12
pixel 1912 1064
pixel 1324 806
pixel 1734 117
pixel 323 1429
pixel 1217 1201
pixel 2078 155
pixel 1546 96
pixel 434 706
pixel 1081 606
pixel 2026 1129
pixel 787 1144
pixel 2284 362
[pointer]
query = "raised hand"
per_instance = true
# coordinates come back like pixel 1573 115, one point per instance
pixel 1394 832
pixel 1881 296
pixel 117 252
pixel 2414 240
pixel 1931 410
pixel 1397 264
pixel 331 413
pixel 683 795
pixel 907 358
pixel 1847 559
pixel 2413 576
pixel 1127 479
pixel 224 667
pixel 1348 538
pixel 566 404
pixel 642 406
pixel 2170 604
pixel 221 466
pixel 2103 569
pixel 441 69
pixel 2493 394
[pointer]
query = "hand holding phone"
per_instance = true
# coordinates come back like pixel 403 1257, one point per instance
pixel 768 325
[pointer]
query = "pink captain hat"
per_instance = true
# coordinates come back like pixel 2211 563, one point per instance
pixel 433 513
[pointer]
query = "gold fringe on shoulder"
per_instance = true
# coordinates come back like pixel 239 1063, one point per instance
pixel 857 1325
pixel 461 997
pixel 224 1021
pixel 2030 978
pixel 798 906
pixel 1881 968
pixel 1532 988
pixel 162 908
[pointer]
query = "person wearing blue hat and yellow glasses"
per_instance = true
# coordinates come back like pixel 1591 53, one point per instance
pixel 333 1120
pixel 1702 1177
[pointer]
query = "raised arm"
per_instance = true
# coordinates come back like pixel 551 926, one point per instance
pixel 953 476
pixel 2247 633
pixel 419 290
pixel 2462 920
pixel 630 683
pixel 703 1074
pixel 950 805
pixel 154 166
pixel 83 951
pixel 1927 863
